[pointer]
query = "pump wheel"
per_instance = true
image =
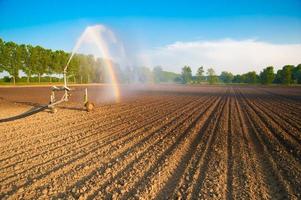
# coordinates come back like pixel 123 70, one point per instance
pixel 89 106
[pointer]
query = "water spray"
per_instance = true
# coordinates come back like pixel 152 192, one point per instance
pixel 92 34
pixel 101 37
pixel 53 102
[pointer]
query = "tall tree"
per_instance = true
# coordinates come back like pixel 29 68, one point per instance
pixel 278 77
pixel 1 55
pixel 297 74
pixel 287 74
pixel 267 75
pixel 42 62
pixel 251 77
pixel 237 79
pixel 33 61
pixel 46 62
pixel 23 55
pixel 186 74
pixel 200 74
pixel 226 77
pixel 212 78
pixel 74 67
pixel 11 60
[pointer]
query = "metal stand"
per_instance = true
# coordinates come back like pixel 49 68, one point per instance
pixel 53 102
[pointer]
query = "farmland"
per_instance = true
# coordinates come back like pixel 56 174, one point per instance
pixel 159 142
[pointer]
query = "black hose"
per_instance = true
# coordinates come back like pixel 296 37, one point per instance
pixel 32 111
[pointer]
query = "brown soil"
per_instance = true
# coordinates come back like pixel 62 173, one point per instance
pixel 159 142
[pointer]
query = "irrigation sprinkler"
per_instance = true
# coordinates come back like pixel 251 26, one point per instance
pixel 67 93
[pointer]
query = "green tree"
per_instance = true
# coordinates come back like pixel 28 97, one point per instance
pixel 200 74
pixel 237 79
pixel 287 74
pixel 267 75
pixel 11 60
pixel 32 61
pixel 226 77
pixel 23 55
pixel 44 62
pixel 186 74
pixel 170 76
pixel 74 67
pixel 212 78
pixel 47 63
pixel 251 77
pixel 50 69
pixel 36 61
pixel 278 77
pixel 297 74
pixel 1 55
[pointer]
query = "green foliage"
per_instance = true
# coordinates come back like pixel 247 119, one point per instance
pixel 200 74
pixel 161 76
pixel 11 60
pixel 186 74
pixel 278 77
pixel 1 55
pixel 170 77
pixel 237 79
pixel 6 79
pixel 267 75
pixel 287 74
pixel 38 61
pixel 226 77
pixel 212 78
pixel 249 78
pixel 297 74
pixel 45 65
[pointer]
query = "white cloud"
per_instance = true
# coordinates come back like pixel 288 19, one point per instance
pixel 223 55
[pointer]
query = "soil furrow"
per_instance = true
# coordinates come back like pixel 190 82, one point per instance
pixel 162 157
pixel 275 165
pixel 82 156
pixel 93 142
pixel 85 133
pixel 291 146
pixel 159 142
pixel 162 138
pixel 110 114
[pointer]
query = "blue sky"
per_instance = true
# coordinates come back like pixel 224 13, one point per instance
pixel 146 26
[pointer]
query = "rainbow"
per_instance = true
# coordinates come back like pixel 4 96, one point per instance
pixel 93 33
pixel 105 52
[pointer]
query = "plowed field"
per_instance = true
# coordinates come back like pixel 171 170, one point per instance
pixel 160 142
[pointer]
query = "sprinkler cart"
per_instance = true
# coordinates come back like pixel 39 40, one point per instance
pixel 53 101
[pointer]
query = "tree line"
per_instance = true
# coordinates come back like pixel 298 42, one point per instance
pixel 37 63
pixel 45 65
pixel 289 74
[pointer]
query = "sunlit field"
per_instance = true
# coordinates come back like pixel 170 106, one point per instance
pixel 150 100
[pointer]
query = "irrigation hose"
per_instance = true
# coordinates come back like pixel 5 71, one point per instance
pixel 25 114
